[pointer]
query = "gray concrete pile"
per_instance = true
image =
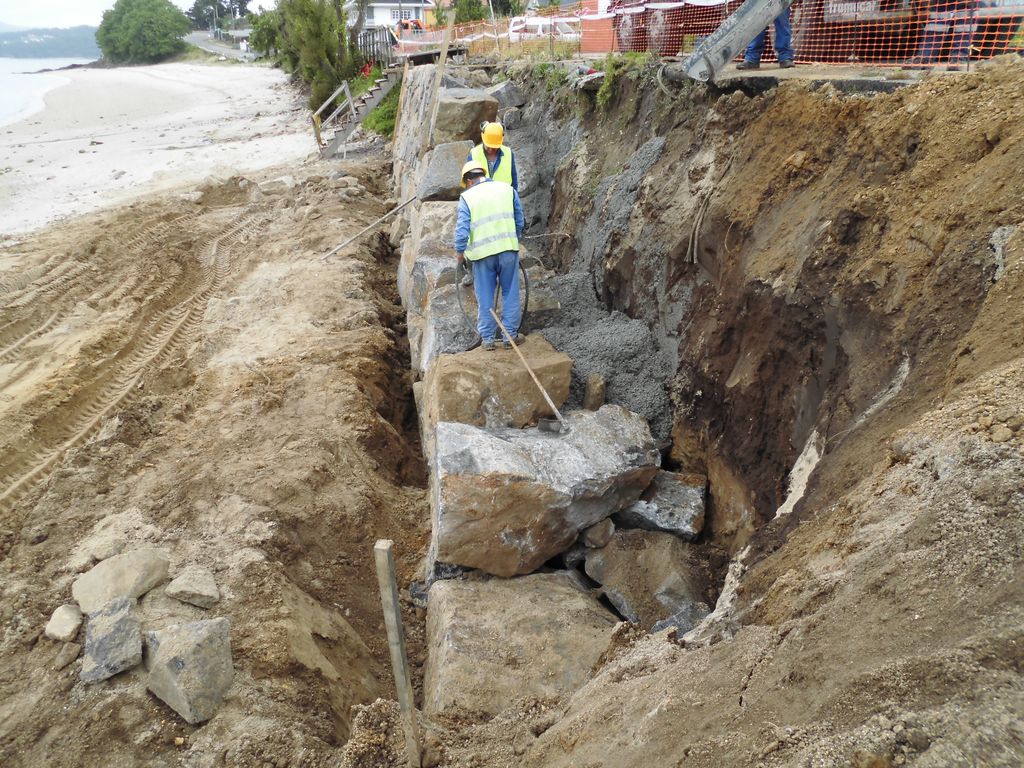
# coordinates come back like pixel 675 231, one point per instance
pixel 541 542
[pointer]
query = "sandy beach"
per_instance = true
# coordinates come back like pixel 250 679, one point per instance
pixel 112 135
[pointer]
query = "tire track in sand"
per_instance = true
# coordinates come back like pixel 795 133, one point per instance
pixel 74 421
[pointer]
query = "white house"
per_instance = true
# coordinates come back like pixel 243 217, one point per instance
pixel 388 14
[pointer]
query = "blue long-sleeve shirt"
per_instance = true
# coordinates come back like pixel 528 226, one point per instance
pixel 497 162
pixel 462 220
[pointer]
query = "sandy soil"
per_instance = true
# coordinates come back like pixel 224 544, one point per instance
pixel 112 135
pixel 186 373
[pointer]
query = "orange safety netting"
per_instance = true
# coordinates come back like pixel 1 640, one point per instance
pixel 880 32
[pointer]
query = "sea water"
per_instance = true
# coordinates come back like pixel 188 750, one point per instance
pixel 22 94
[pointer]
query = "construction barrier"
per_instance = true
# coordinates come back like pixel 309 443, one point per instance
pixel 907 33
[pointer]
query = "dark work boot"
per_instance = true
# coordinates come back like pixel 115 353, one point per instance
pixel 748 65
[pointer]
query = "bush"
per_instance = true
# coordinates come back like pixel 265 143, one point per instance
pixel 137 31
pixel 313 43
pixel 382 119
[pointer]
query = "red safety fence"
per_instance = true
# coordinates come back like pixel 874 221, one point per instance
pixel 908 33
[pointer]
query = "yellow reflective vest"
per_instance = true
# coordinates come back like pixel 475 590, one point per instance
pixel 492 221
pixel 504 170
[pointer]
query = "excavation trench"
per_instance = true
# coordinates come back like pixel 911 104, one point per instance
pixel 780 282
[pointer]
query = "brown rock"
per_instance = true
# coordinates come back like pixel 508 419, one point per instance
pixel 492 389
pixel 650 576
pixel 593 396
pixel 460 112
pixel 597 536
pixel 492 642
pixel 1001 434
pixel 507 500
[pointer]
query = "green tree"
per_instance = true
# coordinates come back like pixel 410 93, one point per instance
pixel 141 31
pixel 313 43
pixel 469 10
pixel 204 13
pixel 266 30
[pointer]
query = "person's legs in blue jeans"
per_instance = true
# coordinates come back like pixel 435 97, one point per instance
pixel 783 37
pixel 485 283
pixel 508 279
pixel 756 48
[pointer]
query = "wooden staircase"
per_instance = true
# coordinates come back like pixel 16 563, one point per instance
pixel 348 114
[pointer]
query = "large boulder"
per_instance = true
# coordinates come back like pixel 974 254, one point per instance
pixel 441 171
pixel 428 256
pixel 507 500
pixel 508 94
pixel 674 503
pixel 446 325
pixel 492 389
pixel 190 667
pixel 131 574
pixel 113 640
pixel 650 576
pixel 492 642
pixel 460 112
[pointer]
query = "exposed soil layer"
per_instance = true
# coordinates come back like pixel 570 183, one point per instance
pixel 838 281
pixel 187 374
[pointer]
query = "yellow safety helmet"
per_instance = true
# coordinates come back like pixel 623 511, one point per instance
pixel 470 167
pixel 493 135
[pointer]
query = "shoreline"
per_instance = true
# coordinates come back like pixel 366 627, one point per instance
pixel 107 136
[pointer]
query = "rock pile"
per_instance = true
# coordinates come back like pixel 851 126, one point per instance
pixel 508 499
pixel 189 665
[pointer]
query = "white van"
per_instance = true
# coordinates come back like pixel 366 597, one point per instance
pixel 521 28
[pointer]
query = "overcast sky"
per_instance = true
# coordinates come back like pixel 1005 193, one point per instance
pixel 70 13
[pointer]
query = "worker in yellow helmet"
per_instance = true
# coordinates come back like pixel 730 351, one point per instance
pixel 487 231
pixel 497 159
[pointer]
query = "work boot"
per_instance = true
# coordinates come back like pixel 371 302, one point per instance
pixel 518 338
pixel 787 64
pixel 748 65
pixel 488 345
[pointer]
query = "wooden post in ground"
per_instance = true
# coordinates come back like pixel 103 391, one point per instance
pixel 385 560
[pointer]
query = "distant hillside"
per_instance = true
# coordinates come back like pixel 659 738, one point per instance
pixel 76 42
pixel 9 28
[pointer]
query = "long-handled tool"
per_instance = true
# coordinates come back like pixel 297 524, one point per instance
pixel 529 370
pixel 362 232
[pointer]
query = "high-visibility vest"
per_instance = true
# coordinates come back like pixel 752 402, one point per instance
pixel 504 170
pixel 492 221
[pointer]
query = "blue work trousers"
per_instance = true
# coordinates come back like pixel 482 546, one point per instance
pixel 501 269
pixel 783 40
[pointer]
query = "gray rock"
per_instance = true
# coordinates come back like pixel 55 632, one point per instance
pixel 195 586
pixel 113 640
pixel 493 641
pixel 64 623
pixel 66 655
pixel 190 667
pixel 445 327
pixel 574 556
pixel 278 186
pixel 507 94
pixel 131 574
pixel 685 619
pixel 674 503
pixel 598 535
pixel 507 500
pixel 650 576
pixel 460 112
pixel 512 118
pixel 441 171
